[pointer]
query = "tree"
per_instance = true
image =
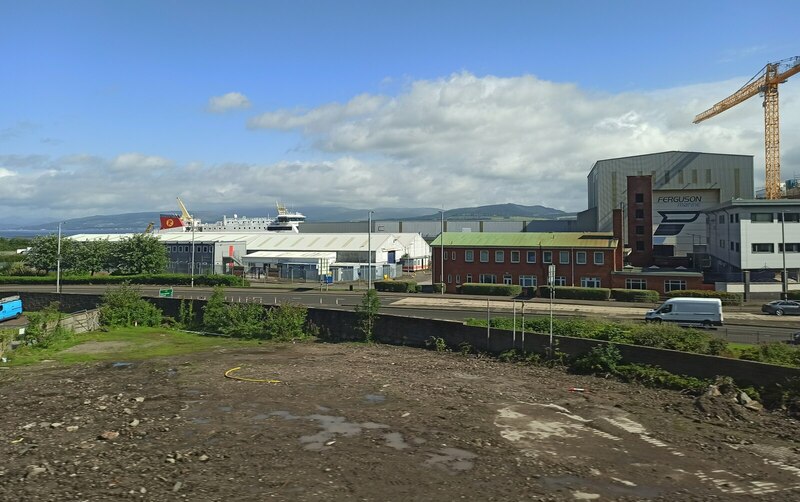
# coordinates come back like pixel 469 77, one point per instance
pixel 43 254
pixel 124 306
pixel 90 256
pixel 367 312
pixel 140 254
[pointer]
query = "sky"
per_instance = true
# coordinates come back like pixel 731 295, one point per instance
pixel 122 106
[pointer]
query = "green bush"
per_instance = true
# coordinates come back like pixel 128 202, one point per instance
pixel 124 306
pixel 244 320
pixel 602 359
pixel 652 376
pixel 570 293
pixel 396 286
pixel 287 322
pixel 44 327
pixel 157 279
pixel 727 298
pixel 773 353
pixel 438 287
pixel 472 288
pixel 635 295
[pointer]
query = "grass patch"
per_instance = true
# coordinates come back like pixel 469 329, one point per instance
pixel 132 344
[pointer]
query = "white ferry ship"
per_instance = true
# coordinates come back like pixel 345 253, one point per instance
pixel 285 221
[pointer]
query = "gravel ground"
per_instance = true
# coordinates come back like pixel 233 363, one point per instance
pixel 350 422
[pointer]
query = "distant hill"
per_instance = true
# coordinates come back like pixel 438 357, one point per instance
pixel 137 222
pixel 499 212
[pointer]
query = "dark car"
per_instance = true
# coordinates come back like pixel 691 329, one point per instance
pixel 781 307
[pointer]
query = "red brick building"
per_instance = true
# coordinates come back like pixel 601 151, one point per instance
pixel 583 259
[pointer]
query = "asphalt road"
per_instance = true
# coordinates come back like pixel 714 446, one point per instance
pixel 743 325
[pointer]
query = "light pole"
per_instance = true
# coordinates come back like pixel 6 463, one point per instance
pixel 192 253
pixel 441 253
pixel 785 281
pixel 369 251
pixel 58 261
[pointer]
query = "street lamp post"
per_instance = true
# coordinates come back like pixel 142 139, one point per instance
pixel 441 253
pixel 58 261
pixel 369 251
pixel 785 278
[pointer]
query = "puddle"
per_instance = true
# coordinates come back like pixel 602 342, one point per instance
pixel 587 488
pixel 395 440
pixel 452 459
pixel 201 420
pixel 375 398
pixel 121 365
pixel 226 409
pixel 332 427
pixel 260 416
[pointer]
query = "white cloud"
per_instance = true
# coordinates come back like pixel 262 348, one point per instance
pixel 5 173
pixel 229 101
pixel 457 141
pixel 136 162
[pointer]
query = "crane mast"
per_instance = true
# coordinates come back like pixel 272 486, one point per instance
pixel 764 83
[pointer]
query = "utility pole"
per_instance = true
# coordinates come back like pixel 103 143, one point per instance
pixel 58 261
pixel 369 251
pixel 192 253
pixel 785 281
pixel 441 257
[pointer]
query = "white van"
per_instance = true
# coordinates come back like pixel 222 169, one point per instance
pixel 705 311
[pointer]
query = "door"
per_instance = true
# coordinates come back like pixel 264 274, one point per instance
pixel 391 258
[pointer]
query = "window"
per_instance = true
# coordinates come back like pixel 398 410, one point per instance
pixel 635 284
pixel 737 247
pixel 730 218
pixel 640 214
pixel 547 257
pixel 488 279
pixel 449 278
pixel 499 256
pixel 722 243
pixel 721 218
pixel 444 255
pixel 514 256
pixel 590 282
pixel 560 280
pixel 639 229
pixel 531 256
pixel 638 197
pixel 732 246
pixel 666 177
pixel 453 255
pixel 737 217
pixel 563 257
pixel 458 278
pixel 789 217
pixel 468 278
pixel 674 285
pixel 469 255
pixel 484 256
pixel 764 248
pixel 507 279
pixel 599 257
pixel 792 247
pixel 761 217
pixel 527 281
pixel 639 245
pixel 580 257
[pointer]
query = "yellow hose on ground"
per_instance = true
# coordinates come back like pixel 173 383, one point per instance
pixel 229 374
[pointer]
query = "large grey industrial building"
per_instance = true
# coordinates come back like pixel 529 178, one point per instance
pixel 683 185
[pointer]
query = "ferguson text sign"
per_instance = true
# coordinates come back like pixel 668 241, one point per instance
pixel 679 219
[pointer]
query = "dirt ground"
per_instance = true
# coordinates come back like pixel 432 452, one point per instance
pixel 349 422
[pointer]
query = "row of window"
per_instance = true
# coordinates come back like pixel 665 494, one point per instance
pixel 188 249
pixel 531 281
pixel 791 247
pixel 762 217
pixel 581 257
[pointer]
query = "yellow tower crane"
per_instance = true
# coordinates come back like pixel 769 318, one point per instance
pixel 765 83
pixel 185 216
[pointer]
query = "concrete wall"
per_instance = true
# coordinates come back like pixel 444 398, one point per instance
pixel 338 325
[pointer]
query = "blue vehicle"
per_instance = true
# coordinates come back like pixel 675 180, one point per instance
pixel 10 308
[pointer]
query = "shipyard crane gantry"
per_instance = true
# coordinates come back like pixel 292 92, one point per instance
pixel 765 83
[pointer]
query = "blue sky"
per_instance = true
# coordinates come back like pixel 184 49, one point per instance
pixel 110 106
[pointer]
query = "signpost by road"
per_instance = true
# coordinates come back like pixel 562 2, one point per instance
pixel 165 293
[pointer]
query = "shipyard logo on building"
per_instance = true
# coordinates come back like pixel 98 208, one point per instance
pixel 672 222
pixel 680 200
